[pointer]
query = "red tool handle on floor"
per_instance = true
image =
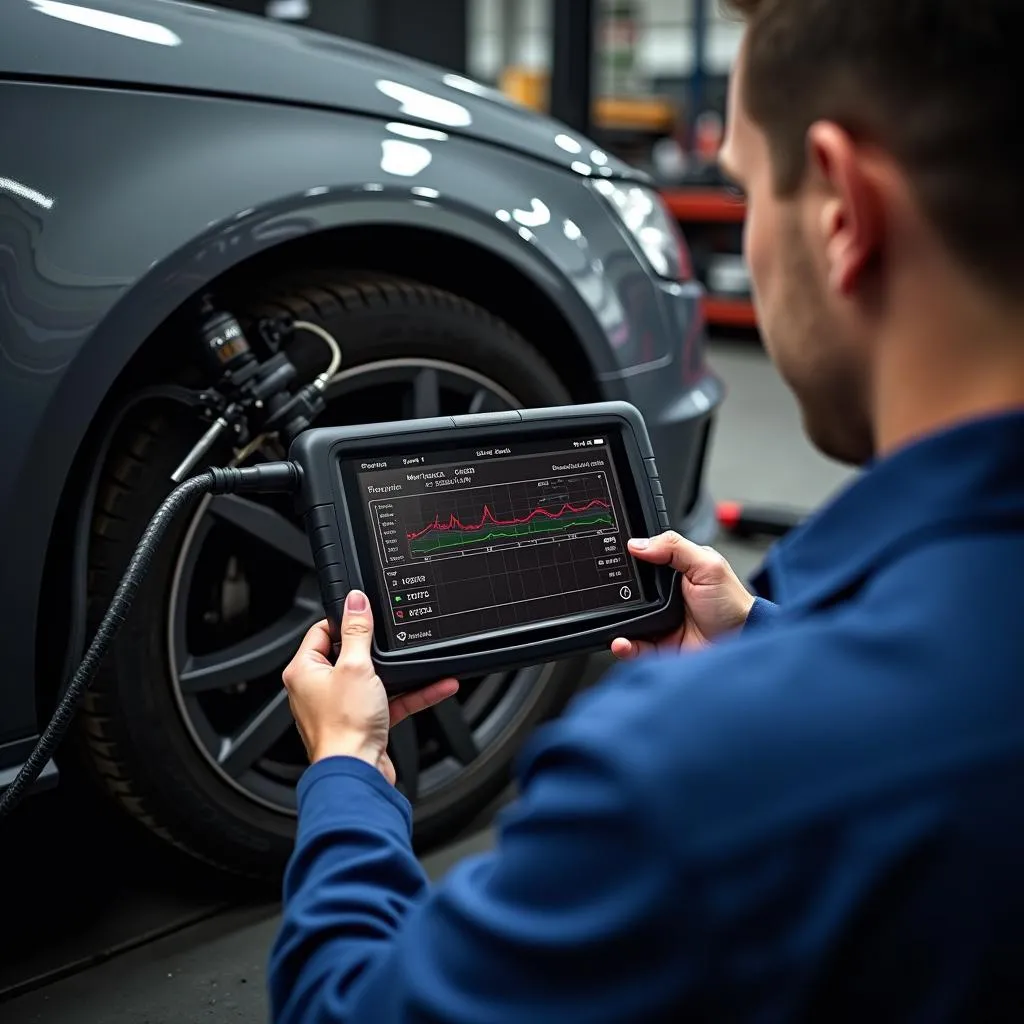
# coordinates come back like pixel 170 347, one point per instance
pixel 757 520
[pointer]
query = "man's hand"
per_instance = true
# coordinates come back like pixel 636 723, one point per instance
pixel 717 602
pixel 342 710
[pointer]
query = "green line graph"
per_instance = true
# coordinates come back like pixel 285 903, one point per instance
pixel 430 544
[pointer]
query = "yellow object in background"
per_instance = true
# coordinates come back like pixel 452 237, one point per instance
pixel 652 114
pixel 526 86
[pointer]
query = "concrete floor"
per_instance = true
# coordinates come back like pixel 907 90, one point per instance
pixel 760 453
pixel 203 956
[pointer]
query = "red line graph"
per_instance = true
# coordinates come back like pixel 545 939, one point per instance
pixel 488 518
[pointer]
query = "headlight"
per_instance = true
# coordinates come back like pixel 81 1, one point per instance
pixel 645 217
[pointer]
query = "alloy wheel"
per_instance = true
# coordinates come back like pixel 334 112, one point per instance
pixel 244 592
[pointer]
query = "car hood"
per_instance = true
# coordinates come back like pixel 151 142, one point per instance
pixel 165 44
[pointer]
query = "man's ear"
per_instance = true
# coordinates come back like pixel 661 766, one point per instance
pixel 852 223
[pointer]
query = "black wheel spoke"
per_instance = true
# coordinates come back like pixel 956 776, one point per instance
pixel 267 651
pixel 266 525
pixel 455 731
pixel 404 749
pixel 257 736
pixel 426 394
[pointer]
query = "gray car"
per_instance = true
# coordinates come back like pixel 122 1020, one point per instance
pixel 164 159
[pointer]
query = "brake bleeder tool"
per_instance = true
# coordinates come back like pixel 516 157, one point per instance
pixel 253 397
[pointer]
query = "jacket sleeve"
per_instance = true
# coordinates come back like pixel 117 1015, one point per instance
pixel 558 923
pixel 762 612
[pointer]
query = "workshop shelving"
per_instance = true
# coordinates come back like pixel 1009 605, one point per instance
pixel 712 220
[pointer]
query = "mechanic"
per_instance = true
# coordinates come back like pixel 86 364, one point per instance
pixel 814 811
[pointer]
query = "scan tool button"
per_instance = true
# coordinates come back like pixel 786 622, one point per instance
pixel 652 468
pixel 319 516
pixel 329 564
pixel 321 536
pixel 659 503
pixel 335 592
pixel 332 572
pixel 656 486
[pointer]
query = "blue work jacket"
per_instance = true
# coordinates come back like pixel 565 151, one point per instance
pixel 820 818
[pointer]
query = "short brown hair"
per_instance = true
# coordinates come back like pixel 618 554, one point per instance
pixel 938 84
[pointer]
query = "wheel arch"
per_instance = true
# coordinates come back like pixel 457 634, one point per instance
pixel 140 339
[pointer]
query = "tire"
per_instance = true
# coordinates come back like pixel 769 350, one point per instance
pixel 144 734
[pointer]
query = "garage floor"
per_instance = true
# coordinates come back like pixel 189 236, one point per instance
pixel 134 938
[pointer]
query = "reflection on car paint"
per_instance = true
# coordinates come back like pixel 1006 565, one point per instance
pixel 406 159
pixel 535 217
pixel 118 24
pixel 31 194
pixel 417 103
pixel 415 131
pixel 476 88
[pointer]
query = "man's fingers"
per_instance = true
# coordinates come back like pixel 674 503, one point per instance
pixel 356 628
pixel 671 549
pixel 626 650
pixel 316 645
pixel 412 703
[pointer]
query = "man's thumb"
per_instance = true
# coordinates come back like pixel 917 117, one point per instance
pixel 356 625
pixel 671 549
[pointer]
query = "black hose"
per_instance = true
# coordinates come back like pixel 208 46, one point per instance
pixel 178 499
pixel 83 527
pixel 274 476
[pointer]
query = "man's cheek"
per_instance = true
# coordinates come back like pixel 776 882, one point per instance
pixel 752 239
pixel 755 255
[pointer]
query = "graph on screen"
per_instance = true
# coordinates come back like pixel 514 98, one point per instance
pixel 491 528
pixel 497 516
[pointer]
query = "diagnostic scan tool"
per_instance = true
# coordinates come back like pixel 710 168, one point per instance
pixel 488 541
